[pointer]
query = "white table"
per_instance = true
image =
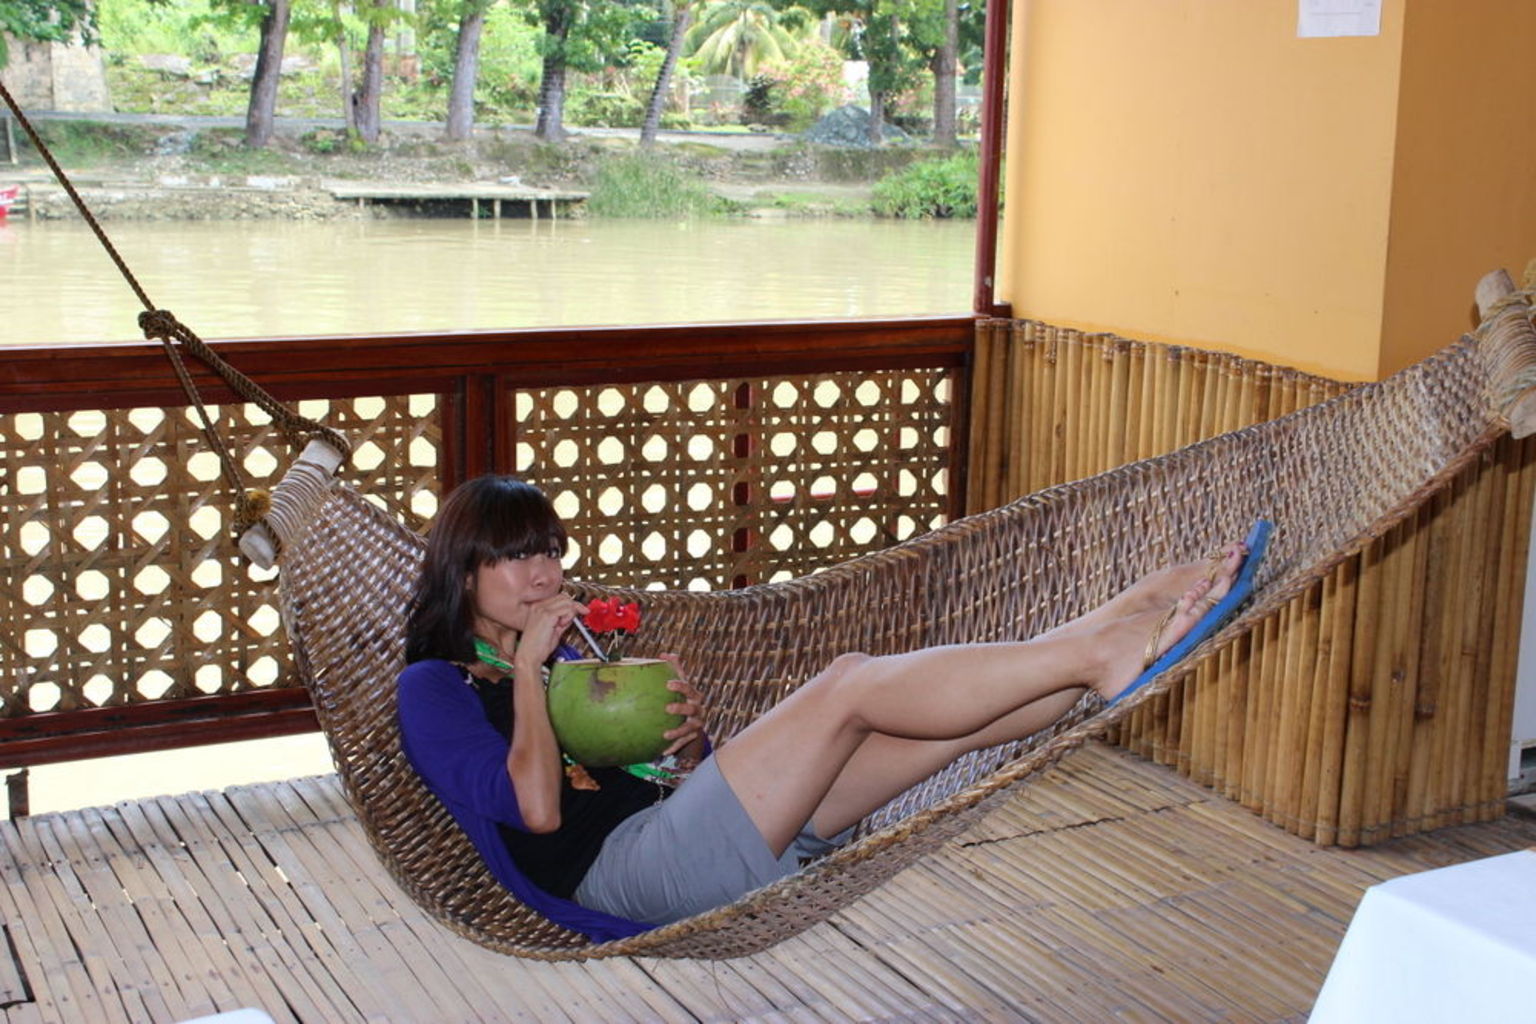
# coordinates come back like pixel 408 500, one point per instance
pixel 1455 945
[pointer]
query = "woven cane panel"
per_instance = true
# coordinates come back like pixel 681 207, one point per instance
pixel 121 579
pixel 707 485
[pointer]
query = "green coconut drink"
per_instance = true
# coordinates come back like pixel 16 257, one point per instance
pixel 612 712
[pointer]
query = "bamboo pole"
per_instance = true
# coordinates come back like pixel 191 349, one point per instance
pixel 1301 677
pixel 1235 730
pixel 1018 369
pixel 1393 674
pixel 984 423
pixel 1044 360
pixel 1433 711
pixel 1492 562
pixel 1361 699
pixel 1318 810
pixel 1468 704
pixel 1261 681
pixel 1120 406
pixel 1149 358
pixel 1483 727
pixel 1061 406
pixel 1408 620
pixel 1135 397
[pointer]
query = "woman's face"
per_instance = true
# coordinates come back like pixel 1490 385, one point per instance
pixel 502 591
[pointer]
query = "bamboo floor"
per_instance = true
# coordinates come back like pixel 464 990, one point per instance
pixel 1111 888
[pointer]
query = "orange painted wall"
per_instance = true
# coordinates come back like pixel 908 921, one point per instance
pixel 1464 175
pixel 1190 170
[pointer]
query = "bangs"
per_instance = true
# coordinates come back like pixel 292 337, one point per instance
pixel 521 523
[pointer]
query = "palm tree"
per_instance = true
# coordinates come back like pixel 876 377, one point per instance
pixel 682 17
pixel 733 37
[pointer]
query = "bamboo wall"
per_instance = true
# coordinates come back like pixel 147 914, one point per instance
pixel 1375 704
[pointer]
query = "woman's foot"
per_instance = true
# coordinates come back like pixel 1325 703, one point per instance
pixel 1136 641
pixel 1157 590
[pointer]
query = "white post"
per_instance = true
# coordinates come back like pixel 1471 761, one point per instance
pixel 1523 733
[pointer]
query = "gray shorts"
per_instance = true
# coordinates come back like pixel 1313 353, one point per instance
pixel 692 852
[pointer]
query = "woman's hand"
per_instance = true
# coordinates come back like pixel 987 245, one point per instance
pixel 546 623
pixel 687 739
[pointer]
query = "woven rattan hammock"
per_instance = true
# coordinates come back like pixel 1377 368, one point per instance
pixel 1334 476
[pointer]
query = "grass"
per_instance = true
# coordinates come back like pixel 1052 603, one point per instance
pixel 945 187
pixel 91 143
pixel 647 185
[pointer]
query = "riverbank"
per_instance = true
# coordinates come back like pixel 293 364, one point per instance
pixel 154 167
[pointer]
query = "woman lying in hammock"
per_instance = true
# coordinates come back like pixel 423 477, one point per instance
pixel 615 860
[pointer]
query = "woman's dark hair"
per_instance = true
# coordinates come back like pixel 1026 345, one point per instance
pixel 483 521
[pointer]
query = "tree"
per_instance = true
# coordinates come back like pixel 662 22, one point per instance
pixel 366 100
pixel 892 67
pixel 945 65
pixel 880 37
pixel 682 18
pixel 938 31
pixel 559 17
pixel 578 36
pixel 47 21
pixel 466 69
pixel 261 110
pixel 733 37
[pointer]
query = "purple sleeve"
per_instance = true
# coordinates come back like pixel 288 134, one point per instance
pixel 445 735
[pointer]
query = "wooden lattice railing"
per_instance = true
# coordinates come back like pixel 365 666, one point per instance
pixel 681 457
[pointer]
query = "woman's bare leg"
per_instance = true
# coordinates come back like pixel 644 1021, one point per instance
pixel 943 700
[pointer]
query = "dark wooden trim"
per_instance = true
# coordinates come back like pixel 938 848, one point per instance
pixel 451 455
pixel 122 375
pixel 154 725
pixel 988 187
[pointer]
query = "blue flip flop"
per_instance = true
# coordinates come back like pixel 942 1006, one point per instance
pixel 1218 616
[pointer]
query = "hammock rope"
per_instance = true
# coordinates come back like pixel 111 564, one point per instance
pixel 251 504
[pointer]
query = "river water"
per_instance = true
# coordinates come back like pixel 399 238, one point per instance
pixel 265 278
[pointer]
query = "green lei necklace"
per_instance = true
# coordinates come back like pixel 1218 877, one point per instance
pixel 491 656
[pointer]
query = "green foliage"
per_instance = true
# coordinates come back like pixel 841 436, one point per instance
pixel 192 28
pixel 585 35
pixel 616 98
pixel 647 185
pixel 734 37
pixel 45 21
pixel 604 109
pixel 324 141
pixel 89 143
pixel 507 86
pixel 806 86
pixel 932 188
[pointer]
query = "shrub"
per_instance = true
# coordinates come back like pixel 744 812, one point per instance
pixel 647 185
pixel 945 187
pixel 805 86
pixel 604 110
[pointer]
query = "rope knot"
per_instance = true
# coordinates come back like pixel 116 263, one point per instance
pixel 158 324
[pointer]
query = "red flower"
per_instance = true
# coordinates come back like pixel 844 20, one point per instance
pixel 606 616
pixel 600 615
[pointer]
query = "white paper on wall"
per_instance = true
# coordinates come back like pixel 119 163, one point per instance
pixel 1316 19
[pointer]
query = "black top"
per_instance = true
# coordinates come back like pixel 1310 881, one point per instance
pixel 557 861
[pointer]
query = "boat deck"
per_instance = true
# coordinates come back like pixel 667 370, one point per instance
pixel 1111 888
